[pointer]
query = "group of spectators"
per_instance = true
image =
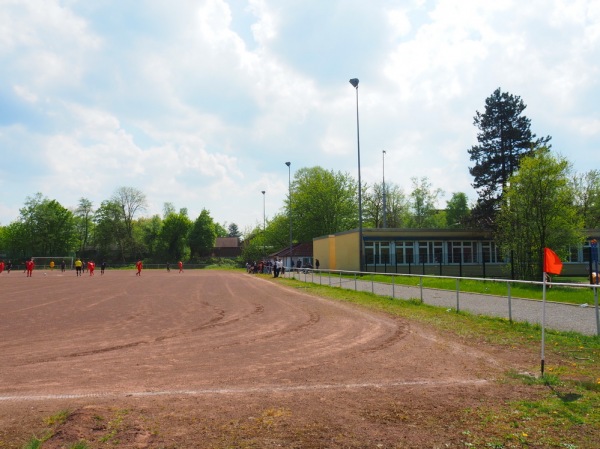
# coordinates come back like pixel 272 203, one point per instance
pixel 276 266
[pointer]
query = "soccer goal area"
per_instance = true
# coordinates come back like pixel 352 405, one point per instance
pixel 53 263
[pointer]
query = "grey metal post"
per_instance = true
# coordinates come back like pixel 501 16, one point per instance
pixel 597 316
pixel 354 82
pixel 509 303
pixel 457 295
pixel 384 202
pixel 264 224
pixel 290 212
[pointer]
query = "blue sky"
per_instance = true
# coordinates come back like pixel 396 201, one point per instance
pixel 201 103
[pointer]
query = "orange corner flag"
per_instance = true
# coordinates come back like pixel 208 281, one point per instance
pixel 552 263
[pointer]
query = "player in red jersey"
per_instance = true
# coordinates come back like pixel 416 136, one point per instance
pixel 29 266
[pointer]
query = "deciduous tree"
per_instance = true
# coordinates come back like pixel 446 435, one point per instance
pixel 397 214
pixel 586 188
pixel 110 230
pixel 49 227
pixel 538 212
pixel 131 201
pixel 457 210
pixel 423 200
pixel 202 235
pixel 173 237
pixel 84 222
pixel 323 202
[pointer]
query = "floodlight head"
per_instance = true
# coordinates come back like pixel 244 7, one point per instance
pixel 263 192
pixel 354 82
pixel 288 163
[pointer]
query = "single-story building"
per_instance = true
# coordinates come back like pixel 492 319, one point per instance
pixel 452 252
pixel 228 247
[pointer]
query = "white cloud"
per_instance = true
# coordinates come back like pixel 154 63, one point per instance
pixel 25 94
pixel 264 30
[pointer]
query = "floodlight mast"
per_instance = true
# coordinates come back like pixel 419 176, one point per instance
pixel 354 82
pixel 290 210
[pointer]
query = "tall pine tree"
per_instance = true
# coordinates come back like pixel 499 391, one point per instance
pixel 504 137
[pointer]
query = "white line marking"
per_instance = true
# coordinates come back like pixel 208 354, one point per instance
pixel 219 391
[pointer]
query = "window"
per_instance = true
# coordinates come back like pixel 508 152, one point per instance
pixel 573 254
pixel 405 253
pixel 490 253
pixel 430 252
pixel 587 251
pixel 370 253
pixel 462 252
pixel 377 253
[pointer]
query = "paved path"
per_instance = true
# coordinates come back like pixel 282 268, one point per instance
pixel 559 316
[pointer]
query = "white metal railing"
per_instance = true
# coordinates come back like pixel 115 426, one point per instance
pixel 342 277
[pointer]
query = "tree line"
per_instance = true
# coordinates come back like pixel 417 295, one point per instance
pixel 115 231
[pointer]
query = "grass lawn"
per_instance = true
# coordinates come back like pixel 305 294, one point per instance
pixel 566 415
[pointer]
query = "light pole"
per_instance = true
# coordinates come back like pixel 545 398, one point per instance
pixel 290 207
pixel 354 82
pixel 384 208
pixel 264 221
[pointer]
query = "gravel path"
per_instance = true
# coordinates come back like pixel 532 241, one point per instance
pixel 559 316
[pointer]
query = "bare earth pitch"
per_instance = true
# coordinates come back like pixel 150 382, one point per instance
pixel 225 359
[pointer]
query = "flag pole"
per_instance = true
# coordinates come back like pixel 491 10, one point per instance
pixel 551 264
pixel 543 316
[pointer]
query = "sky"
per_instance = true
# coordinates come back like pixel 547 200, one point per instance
pixel 200 103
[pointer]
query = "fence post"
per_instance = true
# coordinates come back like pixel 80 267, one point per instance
pixel 373 283
pixel 596 304
pixel 340 279
pixel 457 295
pixel 421 287
pixel 509 303
pixel 440 267
pixel 355 284
pixel 394 288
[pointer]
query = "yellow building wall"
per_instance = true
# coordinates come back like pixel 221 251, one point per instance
pixel 338 252
pixel 347 252
pixel 321 252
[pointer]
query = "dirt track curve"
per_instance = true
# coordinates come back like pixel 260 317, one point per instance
pixel 205 339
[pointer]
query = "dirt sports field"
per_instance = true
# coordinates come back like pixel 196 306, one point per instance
pixel 221 359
